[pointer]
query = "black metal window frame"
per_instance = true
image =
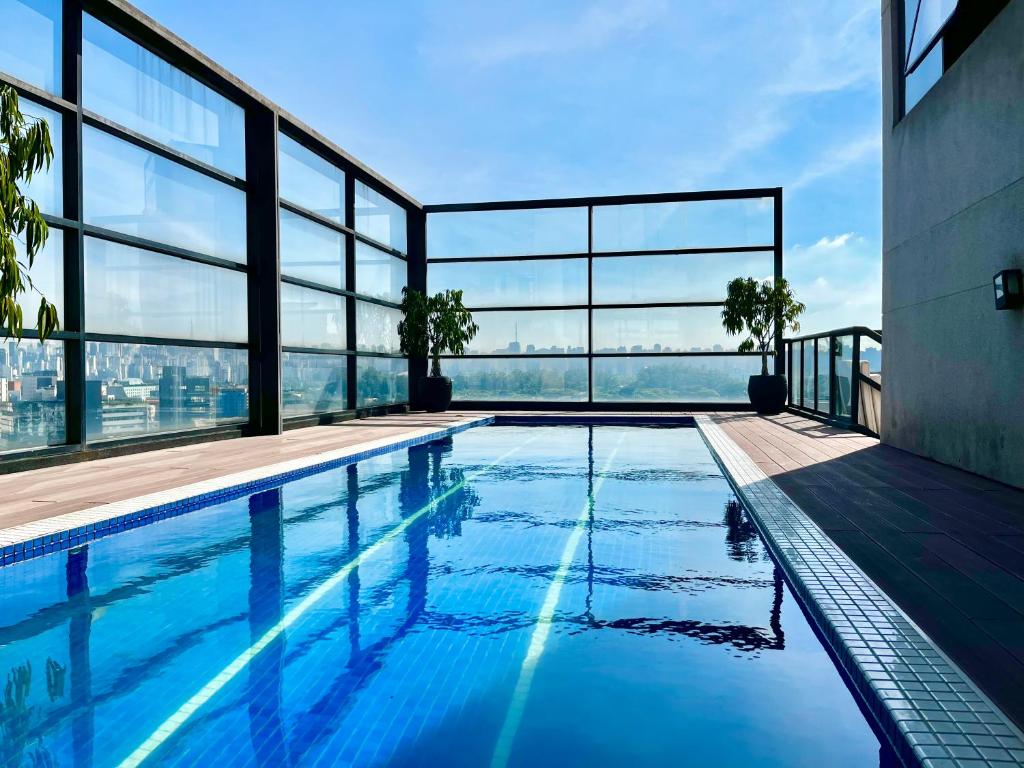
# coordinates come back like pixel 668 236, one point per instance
pixel 775 248
pixel 964 23
pixel 351 291
pixel 263 120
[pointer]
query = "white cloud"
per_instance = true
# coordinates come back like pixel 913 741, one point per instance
pixel 831 243
pixel 598 25
pixel 827 63
pixel 839 278
pixel 839 159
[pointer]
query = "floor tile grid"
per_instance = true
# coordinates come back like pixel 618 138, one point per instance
pixel 929 709
pixel 75 528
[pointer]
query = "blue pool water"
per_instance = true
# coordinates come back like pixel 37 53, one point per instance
pixel 521 596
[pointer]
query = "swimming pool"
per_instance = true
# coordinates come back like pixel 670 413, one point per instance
pixel 507 596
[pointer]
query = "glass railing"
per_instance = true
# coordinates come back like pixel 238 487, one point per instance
pixel 837 375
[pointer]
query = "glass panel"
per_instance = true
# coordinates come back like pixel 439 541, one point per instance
pixel 380 218
pixel 311 252
pixel 543 332
pixel 134 389
pixel 381 381
pixel 312 318
pixel 921 80
pixel 661 329
pixel 31 395
pixel 377 328
pixel 534 231
pixel 379 274
pixel 47 185
pixel 33 53
pixel 822 355
pixel 693 224
pixel 871 351
pixel 134 292
pixel 843 354
pixel 131 190
pixel 705 379
pixel 679 277
pixel 313 383
pixel 306 179
pixel 534 378
pixel 808 375
pixel 128 84
pixel 47 276
pixel 513 283
pixel 931 18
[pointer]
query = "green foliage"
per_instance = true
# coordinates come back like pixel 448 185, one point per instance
pixel 25 149
pixel 760 309
pixel 435 325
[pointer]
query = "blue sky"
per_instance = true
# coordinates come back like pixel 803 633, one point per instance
pixel 462 101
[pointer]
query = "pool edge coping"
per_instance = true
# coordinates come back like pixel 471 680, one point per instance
pixel 878 646
pixel 72 529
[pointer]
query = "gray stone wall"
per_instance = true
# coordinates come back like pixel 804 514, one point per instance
pixel 953 215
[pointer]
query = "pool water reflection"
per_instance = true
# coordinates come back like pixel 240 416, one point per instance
pixel 526 596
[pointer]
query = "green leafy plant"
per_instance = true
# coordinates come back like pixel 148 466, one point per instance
pixel 760 309
pixel 435 325
pixel 25 150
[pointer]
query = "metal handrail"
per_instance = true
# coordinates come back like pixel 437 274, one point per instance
pixel 795 357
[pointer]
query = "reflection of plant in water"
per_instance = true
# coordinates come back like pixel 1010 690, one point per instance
pixel 16 714
pixel 55 673
pixel 41 758
pixel 741 534
pixel 428 479
pixel 446 520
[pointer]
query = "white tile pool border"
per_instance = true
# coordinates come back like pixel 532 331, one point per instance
pixel 72 529
pixel 929 709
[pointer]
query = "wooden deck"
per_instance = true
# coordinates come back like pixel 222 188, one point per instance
pixel 946 545
pixel 42 493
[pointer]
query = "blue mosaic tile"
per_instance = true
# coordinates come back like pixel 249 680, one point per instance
pixel 71 537
pixel 928 708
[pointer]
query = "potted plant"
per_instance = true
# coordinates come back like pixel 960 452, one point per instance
pixel 761 309
pixel 433 326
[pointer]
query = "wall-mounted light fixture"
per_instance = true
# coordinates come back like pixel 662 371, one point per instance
pixel 1009 287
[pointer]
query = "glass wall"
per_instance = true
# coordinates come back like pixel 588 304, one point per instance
pixel 166 335
pixel 602 302
pixel 343 268
pixel 133 389
pixel 156 326
pixel 31 47
pixel 32 395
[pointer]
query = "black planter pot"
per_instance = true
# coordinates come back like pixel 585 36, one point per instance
pixel 768 393
pixel 435 393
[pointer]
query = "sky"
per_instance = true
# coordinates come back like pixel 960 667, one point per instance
pixel 458 101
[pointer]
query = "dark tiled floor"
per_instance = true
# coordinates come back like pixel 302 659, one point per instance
pixel 946 545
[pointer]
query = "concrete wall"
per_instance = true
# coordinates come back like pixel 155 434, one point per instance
pixel 953 215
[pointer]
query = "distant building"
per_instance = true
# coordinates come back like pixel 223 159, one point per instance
pixel 185 401
pixel 232 403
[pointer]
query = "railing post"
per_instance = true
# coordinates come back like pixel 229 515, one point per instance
pixel 777 200
pixel 832 342
pixel 855 381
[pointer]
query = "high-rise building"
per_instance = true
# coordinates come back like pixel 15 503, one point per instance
pixel 953 196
